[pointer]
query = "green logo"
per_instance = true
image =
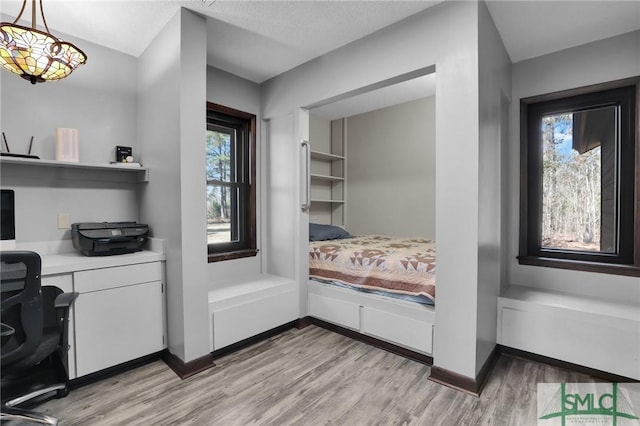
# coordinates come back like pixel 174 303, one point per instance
pixel 585 404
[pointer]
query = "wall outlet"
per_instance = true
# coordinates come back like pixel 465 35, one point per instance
pixel 64 221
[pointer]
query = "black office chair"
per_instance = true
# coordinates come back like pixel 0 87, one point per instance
pixel 34 337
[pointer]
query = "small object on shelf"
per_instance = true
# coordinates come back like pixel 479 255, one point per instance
pixel 67 148
pixel 124 154
pixel 13 154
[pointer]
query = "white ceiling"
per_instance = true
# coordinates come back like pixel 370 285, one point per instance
pixel 394 94
pixel 532 28
pixel 260 39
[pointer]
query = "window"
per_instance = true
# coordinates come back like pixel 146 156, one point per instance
pixel 231 183
pixel 580 179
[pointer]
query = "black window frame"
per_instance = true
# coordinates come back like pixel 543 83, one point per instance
pixel 625 95
pixel 243 231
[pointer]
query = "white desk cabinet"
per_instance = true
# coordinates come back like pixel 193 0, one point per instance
pixel 119 314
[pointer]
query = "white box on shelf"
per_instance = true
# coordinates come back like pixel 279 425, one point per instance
pixel 67 145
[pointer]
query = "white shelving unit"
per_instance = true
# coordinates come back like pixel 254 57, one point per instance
pixel 328 178
pixel 137 173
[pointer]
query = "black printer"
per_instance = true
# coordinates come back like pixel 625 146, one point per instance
pixel 108 238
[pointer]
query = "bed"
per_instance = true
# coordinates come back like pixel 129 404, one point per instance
pixel 402 268
pixel 376 285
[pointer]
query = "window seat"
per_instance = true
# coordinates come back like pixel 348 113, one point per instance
pixel 249 307
pixel 583 330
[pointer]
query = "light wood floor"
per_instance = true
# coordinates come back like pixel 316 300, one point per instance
pixel 307 377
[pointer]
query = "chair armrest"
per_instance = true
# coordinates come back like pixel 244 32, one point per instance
pixel 7 330
pixel 65 300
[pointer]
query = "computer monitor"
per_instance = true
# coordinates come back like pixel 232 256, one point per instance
pixel 7 219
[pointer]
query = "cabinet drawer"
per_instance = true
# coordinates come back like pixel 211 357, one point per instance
pixel 120 276
pixel 117 325
pixel 402 330
pixel 63 281
pixel 346 314
pixel 235 323
pixel 583 339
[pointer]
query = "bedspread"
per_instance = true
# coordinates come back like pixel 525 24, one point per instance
pixel 375 262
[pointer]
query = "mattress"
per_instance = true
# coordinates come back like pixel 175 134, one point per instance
pixel 402 268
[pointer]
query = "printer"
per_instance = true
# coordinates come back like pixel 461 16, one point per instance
pixel 108 238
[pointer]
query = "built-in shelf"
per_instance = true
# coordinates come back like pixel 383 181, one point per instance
pixel 326 177
pixel 141 174
pixel 317 155
pixel 327 201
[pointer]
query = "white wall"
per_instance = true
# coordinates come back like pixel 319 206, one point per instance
pixel 320 135
pixel 99 99
pixel 171 114
pixel 597 62
pixel 232 91
pixel 391 170
pixel 495 86
pixel 446 36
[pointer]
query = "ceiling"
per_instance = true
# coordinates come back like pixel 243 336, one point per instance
pixel 258 40
pixel 371 100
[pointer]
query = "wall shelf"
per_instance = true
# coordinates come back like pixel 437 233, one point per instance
pixel 328 173
pixel 327 178
pixel 317 155
pixel 138 174
pixel 327 201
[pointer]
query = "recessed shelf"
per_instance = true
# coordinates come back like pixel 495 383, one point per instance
pixel 317 155
pixel 141 173
pixel 328 201
pixel 325 177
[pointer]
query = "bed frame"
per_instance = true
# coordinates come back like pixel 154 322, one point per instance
pixel 406 324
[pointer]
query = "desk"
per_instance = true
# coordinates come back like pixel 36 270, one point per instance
pixel 73 262
pixel 119 314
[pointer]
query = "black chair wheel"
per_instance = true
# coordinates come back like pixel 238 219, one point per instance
pixel 61 393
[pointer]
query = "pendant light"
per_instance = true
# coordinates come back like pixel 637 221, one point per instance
pixel 35 55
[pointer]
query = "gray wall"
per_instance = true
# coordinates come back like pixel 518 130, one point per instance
pixel 99 99
pixel 230 90
pixel 391 170
pixel 605 60
pixel 171 114
pixel 320 134
pixel 494 74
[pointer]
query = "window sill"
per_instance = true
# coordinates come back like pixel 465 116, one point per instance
pixel 576 265
pixel 219 257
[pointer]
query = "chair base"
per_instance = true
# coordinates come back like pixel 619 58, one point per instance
pixel 20 416
pixel 11 412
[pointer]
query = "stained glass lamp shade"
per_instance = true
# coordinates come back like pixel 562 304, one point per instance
pixel 35 55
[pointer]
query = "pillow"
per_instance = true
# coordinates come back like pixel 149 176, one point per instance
pixel 319 232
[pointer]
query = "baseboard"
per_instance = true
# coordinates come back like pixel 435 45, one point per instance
pixel 303 322
pixel 483 375
pixel 471 385
pixel 112 371
pixel 382 344
pixel 253 340
pixel 608 377
pixel 187 369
